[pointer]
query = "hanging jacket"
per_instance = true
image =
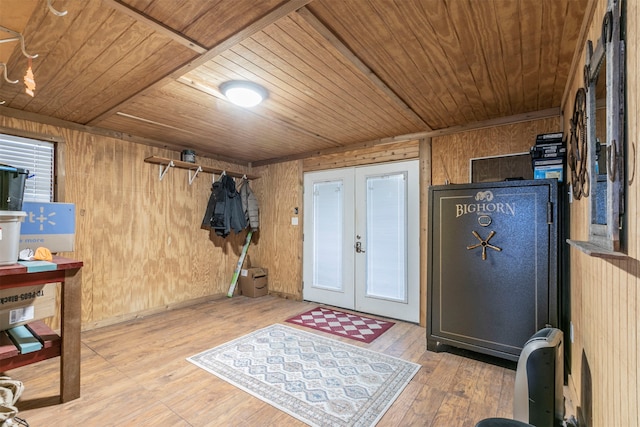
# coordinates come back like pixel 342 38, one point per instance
pixel 249 205
pixel 224 210
pixel 217 195
pixel 234 215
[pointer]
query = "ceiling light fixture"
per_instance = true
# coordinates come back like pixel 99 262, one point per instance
pixel 243 93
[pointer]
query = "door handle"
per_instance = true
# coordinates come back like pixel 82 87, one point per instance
pixel 359 249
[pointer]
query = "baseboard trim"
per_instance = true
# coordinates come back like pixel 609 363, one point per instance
pixel 149 312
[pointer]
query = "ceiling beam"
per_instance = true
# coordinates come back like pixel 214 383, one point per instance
pixel 328 35
pixel 258 25
pixel 157 26
pixel 502 121
pixel 29 134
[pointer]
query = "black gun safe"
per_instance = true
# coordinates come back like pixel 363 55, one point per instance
pixel 493 270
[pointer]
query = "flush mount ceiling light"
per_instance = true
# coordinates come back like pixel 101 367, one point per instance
pixel 243 93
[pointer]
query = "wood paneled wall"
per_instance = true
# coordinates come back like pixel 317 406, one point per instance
pixel 279 243
pixel 452 153
pixel 139 237
pixel 605 295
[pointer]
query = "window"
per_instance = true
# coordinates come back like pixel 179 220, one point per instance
pixel 35 156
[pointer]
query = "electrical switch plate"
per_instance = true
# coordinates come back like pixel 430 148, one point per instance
pixel 294 220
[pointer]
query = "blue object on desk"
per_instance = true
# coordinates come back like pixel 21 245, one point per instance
pixel 36 266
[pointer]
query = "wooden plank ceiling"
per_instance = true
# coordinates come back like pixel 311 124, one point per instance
pixel 338 72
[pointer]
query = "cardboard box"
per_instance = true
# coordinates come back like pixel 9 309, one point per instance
pixel 253 282
pixel 52 225
pixel 19 306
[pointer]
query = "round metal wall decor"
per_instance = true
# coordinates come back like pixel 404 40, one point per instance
pixel 578 155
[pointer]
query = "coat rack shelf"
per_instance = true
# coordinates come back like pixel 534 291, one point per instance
pixel 193 168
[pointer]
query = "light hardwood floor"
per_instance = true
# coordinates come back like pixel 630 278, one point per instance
pixel 135 374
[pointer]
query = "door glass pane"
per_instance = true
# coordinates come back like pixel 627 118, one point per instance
pixel 327 234
pixel 386 243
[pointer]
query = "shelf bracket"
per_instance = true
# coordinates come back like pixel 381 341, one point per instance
pixel 163 171
pixel 191 178
pixel 17 37
pixel 54 11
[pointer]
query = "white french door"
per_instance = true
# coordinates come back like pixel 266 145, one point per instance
pixel 361 239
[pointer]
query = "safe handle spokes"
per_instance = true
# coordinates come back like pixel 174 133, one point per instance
pixel 484 244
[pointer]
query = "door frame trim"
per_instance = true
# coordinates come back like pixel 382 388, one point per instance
pixel 420 276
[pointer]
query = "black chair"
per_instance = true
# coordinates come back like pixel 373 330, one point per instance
pixel 538 398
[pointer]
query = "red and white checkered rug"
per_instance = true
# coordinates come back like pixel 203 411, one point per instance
pixel 359 328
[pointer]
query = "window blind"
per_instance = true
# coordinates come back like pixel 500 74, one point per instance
pixel 35 156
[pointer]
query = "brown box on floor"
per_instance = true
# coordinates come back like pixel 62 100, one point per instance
pixel 253 282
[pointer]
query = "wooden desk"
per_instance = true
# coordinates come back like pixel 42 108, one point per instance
pixel 68 273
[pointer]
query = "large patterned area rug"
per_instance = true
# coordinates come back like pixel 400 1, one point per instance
pixel 354 326
pixel 318 380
